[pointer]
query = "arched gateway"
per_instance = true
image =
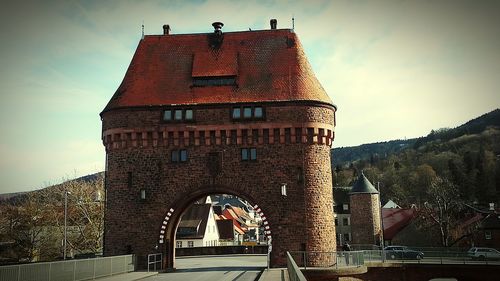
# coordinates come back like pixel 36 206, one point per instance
pixel 239 113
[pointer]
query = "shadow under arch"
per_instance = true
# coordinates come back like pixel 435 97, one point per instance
pixel 168 226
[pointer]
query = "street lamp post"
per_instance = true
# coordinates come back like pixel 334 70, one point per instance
pixel 381 222
pixel 65 221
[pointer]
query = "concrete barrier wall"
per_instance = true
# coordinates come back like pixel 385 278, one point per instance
pixel 416 273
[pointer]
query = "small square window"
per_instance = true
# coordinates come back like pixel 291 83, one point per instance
pixel 244 154
pixel 487 235
pixel 178 114
pixel 178 244
pixel 236 113
pixel 253 153
pixel 257 112
pixel 175 156
pixel 183 155
pixel 345 221
pixel 345 207
pixel 189 114
pixel 347 237
pixel 190 244
pixel 167 115
pixel 247 112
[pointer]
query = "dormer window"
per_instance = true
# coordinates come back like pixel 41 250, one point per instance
pixel 211 70
pixel 214 81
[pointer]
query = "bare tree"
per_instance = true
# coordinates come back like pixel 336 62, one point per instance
pixel 26 221
pixel 443 207
pixel 87 214
pixel 34 221
pixel 85 218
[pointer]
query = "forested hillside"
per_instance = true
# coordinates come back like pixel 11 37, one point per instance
pixel 344 156
pixel 468 156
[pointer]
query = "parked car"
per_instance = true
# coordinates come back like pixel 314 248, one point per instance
pixel 482 253
pixel 402 252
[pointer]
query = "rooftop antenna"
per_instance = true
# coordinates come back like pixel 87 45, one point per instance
pixel 142 37
pixel 293 22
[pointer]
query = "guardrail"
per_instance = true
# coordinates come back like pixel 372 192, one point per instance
pixel 154 260
pixel 71 270
pixel 294 273
pixel 429 257
pixel 328 259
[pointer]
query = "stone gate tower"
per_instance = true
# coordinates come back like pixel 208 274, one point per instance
pixel 238 113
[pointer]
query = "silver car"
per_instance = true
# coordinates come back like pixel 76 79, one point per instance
pixel 482 253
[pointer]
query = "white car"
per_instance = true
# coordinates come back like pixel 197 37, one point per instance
pixel 482 253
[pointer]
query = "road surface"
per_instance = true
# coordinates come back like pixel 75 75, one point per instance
pixel 207 268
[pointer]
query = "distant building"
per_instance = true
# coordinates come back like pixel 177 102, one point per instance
pixel 223 200
pixel 488 234
pixel 230 233
pixel 244 221
pixel 395 220
pixel 342 214
pixel 198 227
pixel 391 205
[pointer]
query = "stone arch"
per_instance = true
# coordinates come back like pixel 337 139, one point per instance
pixel 168 226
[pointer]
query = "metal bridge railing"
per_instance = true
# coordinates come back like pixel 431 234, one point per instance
pixel 155 262
pixel 71 270
pixel 328 259
pixel 294 272
pixel 429 256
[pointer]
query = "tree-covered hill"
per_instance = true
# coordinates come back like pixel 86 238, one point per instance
pixel 344 156
pixel 468 156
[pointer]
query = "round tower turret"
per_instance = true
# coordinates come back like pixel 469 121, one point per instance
pixel 365 212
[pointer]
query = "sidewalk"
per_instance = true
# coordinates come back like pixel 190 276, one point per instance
pixel 274 274
pixel 130 276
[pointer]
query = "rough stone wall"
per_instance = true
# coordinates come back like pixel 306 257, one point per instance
pixel 318 200
pixel 139 146
pixel 365 218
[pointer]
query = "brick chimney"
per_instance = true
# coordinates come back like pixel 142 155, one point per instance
pixel 166 29
pixel 274 23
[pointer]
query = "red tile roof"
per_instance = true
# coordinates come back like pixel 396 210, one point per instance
pixel 395 220
pixel 195 218
pixel 269 65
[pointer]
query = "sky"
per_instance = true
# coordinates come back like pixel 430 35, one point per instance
pixel 395 69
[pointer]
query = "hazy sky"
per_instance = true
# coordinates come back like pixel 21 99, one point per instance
pixel 395 69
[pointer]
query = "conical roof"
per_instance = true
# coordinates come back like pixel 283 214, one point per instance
pixel 363 185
